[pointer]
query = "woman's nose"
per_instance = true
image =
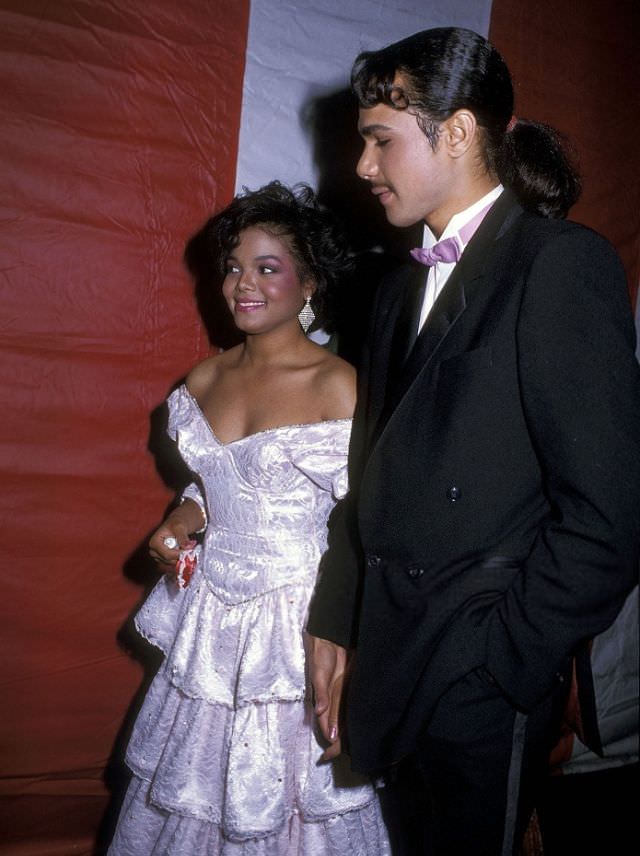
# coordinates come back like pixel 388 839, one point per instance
pixel 245 282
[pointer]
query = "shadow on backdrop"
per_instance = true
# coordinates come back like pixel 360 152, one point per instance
pixel 331 121
pixel 211 304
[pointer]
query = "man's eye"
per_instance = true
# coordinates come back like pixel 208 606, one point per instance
pixel 382 143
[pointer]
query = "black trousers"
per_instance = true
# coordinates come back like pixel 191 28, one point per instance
pixel 470 786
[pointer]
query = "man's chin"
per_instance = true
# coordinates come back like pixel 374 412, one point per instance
pixel 402 220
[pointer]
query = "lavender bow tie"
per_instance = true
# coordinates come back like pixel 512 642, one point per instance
pixel 447 250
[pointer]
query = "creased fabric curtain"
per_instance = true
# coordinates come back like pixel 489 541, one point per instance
pixel 119 126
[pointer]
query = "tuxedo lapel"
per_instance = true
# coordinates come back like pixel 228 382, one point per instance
pixel 387 343
pixel 450 305
pixel 406 327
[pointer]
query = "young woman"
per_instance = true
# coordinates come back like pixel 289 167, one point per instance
pixel 224 755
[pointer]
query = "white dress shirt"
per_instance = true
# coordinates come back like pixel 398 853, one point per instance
pixel 440 272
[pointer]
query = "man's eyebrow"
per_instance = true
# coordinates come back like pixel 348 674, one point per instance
pixel 375 128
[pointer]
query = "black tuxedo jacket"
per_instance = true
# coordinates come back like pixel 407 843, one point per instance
pixel 493 519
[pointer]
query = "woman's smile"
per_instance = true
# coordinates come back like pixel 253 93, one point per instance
pixel 245 305
pixel 262 286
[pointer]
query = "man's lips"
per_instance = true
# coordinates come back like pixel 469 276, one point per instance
pixel 382 193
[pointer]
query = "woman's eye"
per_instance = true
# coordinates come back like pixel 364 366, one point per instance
pixel 267 269
pixel 232 268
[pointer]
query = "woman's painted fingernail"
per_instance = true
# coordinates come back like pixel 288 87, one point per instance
pixel 333 732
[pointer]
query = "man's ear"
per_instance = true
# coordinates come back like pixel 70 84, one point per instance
pixel 459 132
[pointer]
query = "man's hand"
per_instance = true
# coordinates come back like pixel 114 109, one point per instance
pixel 327 666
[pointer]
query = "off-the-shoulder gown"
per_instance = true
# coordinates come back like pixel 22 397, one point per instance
pixel 224 753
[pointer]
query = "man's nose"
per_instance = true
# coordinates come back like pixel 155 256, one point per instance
pixel 366 167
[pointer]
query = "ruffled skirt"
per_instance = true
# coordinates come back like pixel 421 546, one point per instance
pixel 224 752
pixel 144 829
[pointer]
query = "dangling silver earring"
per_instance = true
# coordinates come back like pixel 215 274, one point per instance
pixel 306 316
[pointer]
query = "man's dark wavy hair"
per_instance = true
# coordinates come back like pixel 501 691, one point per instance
pixel 449 68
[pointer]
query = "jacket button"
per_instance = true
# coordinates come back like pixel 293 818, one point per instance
pixel 414 573
pixel 453 494
pixel 373 561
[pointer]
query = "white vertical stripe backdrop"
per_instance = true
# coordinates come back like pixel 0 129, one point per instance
pixel 303 49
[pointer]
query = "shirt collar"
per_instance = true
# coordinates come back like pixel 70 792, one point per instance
pixel 458 220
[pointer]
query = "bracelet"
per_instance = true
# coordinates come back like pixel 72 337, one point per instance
pixel 202 511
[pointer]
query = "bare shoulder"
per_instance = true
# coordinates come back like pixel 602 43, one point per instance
pixel 205 374
pixel 336 386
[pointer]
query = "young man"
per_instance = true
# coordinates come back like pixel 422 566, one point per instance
pixel 492 527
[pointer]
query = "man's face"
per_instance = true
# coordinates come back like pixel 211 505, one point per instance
pixel 409 178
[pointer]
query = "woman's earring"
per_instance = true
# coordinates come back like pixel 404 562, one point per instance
pixel 306 316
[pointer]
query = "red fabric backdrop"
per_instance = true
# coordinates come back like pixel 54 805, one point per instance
pixel 120 123
pixel 575 66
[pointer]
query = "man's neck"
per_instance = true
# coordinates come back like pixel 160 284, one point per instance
pixel 458 202
pixel 464 223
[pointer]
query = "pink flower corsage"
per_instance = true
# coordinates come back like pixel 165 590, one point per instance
pixel 185 566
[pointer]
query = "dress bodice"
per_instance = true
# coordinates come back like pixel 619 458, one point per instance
pixel 286 477
pixel 267 497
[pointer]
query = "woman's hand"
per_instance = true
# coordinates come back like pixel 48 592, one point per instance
pixel 173 535
pixel 161 544
pixel 327 666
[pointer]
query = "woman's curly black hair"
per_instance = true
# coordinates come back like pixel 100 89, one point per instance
pixel 294 215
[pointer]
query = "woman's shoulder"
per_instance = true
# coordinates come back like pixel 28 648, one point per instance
pixel 336 385
pixel 207 372
pixel 331 367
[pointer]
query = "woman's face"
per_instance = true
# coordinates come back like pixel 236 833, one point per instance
pixel 262 287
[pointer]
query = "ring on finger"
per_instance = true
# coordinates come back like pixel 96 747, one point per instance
pixel 170 542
